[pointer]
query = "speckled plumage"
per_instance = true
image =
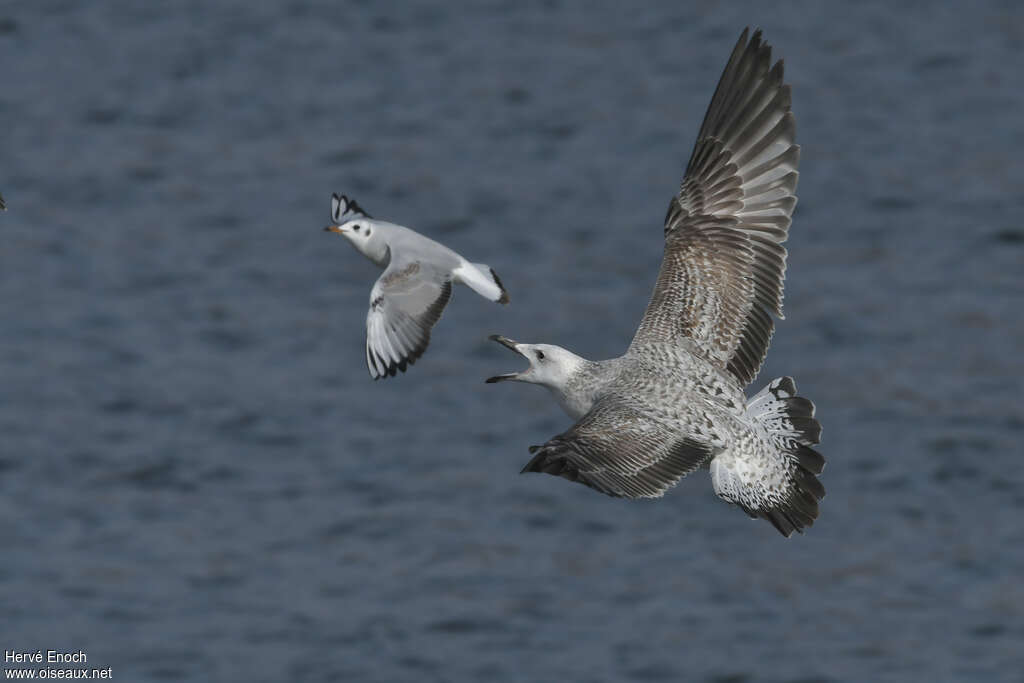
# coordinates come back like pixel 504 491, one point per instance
pixel 674 401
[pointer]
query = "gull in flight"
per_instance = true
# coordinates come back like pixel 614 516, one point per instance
pixel 409 297
pixel 674 401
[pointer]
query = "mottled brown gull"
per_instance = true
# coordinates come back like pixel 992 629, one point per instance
pixel 674 401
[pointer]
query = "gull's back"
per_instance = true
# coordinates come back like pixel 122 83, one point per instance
pixel 410 245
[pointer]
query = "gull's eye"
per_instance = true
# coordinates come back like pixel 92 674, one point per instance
pixel 356 228
pixel 540 355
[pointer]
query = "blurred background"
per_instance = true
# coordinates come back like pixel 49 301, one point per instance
pixel 200 482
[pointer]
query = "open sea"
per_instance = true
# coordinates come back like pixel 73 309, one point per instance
pixel 200 482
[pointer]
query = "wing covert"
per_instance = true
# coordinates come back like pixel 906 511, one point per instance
pixel 621 451
pixel 405 303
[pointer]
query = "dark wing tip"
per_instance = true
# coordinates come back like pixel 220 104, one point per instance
pixel 535 462
pixel 552 461
pixel 504 292
pixel 345 205
pixel 391 368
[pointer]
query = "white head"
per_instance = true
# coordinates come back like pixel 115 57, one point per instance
pixel 550 366
pixel 358 227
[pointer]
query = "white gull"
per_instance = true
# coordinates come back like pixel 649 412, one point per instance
pixel 409 297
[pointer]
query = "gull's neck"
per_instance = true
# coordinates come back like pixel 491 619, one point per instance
pixel 577 390
pixel 376 248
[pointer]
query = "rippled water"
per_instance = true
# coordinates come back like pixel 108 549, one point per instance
pixel 198 481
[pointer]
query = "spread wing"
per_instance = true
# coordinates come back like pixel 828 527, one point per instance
pixel 722 274
pixel 405 303
pixel 621 451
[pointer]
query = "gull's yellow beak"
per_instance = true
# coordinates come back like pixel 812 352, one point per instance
pixel 334 228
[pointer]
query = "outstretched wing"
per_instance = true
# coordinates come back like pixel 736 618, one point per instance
pixel 405 303
pixel 621 451
pixel 722 274
pixel 344 208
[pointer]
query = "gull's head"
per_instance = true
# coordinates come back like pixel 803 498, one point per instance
pixel 351 222
pixel 550 366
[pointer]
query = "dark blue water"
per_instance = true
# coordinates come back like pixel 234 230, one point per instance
pixel 199 482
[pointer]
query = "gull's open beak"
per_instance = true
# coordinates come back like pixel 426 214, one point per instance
pixel 508 343
pixel 334 228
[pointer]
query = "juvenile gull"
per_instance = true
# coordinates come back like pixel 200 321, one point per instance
pixel 674 401
pixel 409 297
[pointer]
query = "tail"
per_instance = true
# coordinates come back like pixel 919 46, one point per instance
pixel 482 279
pixel 769 472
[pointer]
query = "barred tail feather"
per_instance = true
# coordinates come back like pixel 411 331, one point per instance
pixel 770 473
